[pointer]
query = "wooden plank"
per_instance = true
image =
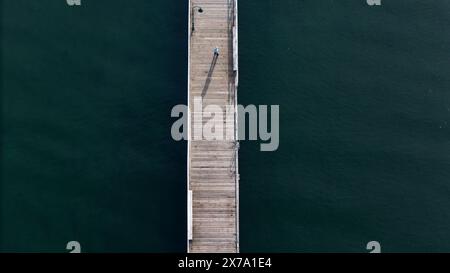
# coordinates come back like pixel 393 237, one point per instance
pixel 212 167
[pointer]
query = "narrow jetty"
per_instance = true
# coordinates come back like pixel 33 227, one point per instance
pixel 213 176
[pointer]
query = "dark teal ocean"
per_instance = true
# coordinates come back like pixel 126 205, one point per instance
pixel 364 155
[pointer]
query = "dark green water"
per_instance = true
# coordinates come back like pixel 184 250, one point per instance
pixel 86 146
pixel 364 143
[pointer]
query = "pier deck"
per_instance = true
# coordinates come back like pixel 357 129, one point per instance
pixel 213 179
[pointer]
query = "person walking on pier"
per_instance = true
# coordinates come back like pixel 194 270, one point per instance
pixel 216 52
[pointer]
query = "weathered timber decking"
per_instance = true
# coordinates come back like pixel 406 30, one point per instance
pixel 213 180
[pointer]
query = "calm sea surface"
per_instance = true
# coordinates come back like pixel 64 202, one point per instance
pixel 364 95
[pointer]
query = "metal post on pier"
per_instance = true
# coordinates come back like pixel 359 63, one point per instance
pixel 194 9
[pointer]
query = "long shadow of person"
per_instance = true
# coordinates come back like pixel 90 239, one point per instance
pixel 211 70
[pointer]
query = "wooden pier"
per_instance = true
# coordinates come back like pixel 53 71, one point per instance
pixel 213 176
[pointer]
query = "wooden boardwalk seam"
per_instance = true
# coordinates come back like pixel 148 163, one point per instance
pixel 213 179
